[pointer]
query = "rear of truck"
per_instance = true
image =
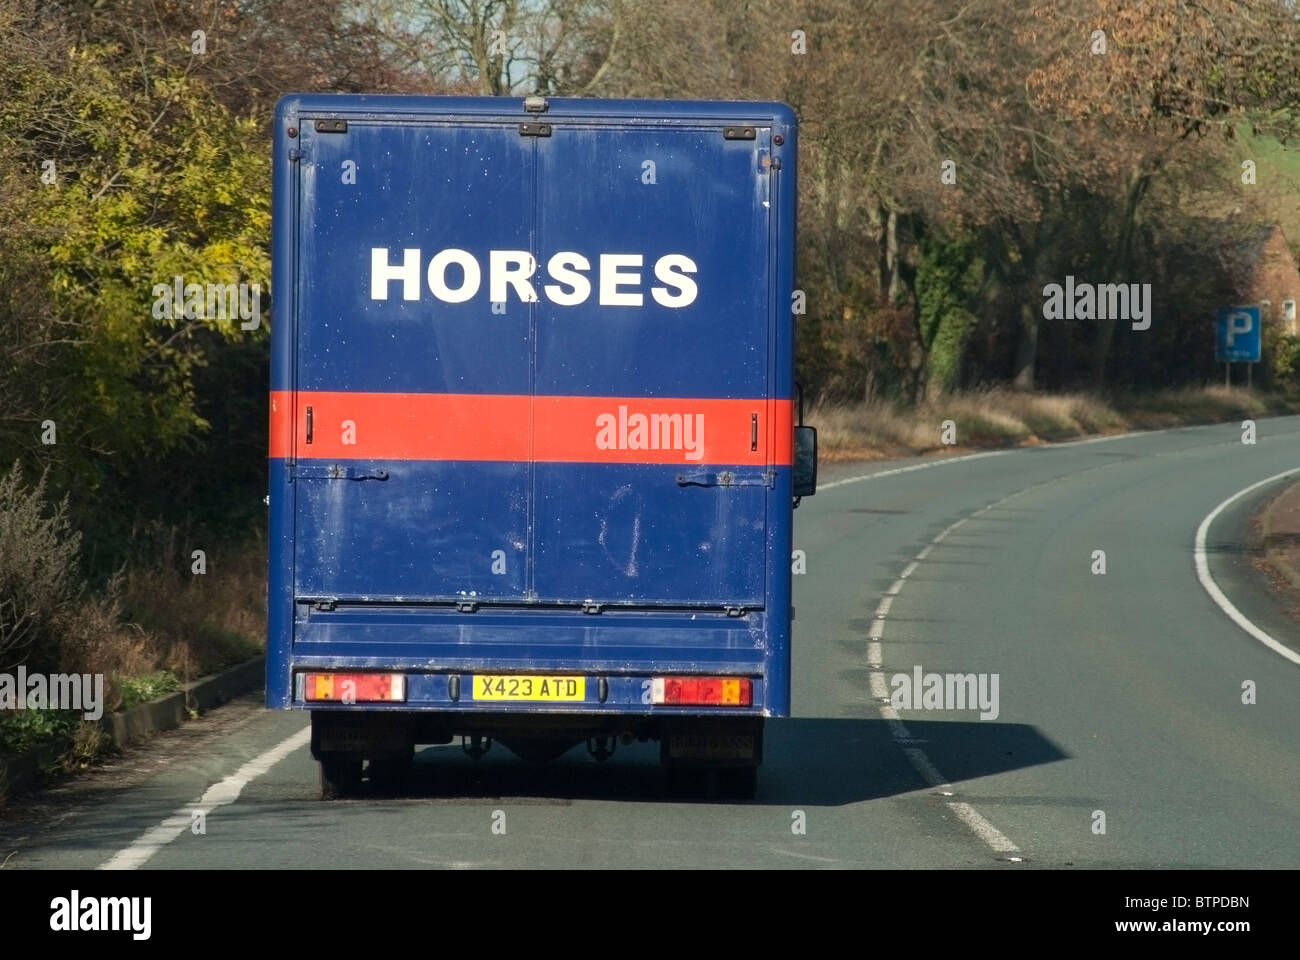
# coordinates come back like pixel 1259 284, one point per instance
pixel 531 428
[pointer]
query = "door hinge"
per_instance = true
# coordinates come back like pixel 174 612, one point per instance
pixel 331 126
pixel 534 129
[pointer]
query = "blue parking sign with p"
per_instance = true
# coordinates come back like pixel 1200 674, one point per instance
pixel 1237 335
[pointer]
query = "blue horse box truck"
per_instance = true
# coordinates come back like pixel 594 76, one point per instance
pixel 533 458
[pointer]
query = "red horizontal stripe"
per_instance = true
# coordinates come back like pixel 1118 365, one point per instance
pixel 457 426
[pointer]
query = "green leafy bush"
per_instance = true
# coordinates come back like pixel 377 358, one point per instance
pixel 20 730
pixel 150 686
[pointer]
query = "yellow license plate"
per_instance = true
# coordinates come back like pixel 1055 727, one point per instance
pixel 519 687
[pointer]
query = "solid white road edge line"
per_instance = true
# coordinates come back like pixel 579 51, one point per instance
pixel 978 825
pixel 217 795
pixel 941 461
pixel 916 466
pixel 1212 588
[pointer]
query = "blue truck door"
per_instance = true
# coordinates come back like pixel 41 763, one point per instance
pixel 654 432
pixel 410 435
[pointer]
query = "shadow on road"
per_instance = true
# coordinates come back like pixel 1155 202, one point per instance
pixel 808 762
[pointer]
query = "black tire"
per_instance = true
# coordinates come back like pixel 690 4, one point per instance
pixel 388 771
pixel 737 783
pixel 340 776
pixel 686 782
pixel 711 783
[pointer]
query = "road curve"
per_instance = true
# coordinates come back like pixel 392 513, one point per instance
pixel 1120 703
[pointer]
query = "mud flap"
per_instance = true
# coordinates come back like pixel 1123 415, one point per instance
pixel 706 742
pixel 369 733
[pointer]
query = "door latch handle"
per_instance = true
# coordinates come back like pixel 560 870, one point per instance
pixel 725 478
pixel 336 471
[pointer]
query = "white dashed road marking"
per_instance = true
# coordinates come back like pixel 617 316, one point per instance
pixel 995 839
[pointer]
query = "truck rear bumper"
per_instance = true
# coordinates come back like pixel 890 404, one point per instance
pixel 616 655
pixel 688 740
pixel 591 693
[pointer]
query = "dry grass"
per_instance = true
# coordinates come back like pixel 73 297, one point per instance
pixel 198 623
pixel 1001 417
pixel 156 623
pixel 156 618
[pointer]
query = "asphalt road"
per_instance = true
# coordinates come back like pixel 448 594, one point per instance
pixel 1118 695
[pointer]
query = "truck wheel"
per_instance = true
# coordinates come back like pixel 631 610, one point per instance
pixel 340 776
pixel 686 782
pixel 737 783
pixel 388 771
pixel 710 783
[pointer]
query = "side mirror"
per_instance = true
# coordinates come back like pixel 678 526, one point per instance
pixel 805 461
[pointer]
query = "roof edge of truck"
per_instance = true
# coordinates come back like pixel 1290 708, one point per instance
pixel 384 104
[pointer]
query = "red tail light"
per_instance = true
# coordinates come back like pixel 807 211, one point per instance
pixel 702 691
pixel 353 687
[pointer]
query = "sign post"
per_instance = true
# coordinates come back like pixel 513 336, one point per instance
pixel 1237 339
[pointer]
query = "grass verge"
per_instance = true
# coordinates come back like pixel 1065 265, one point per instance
pixel 1001 418
pixel 164 620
